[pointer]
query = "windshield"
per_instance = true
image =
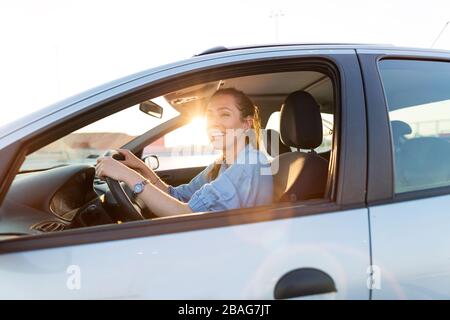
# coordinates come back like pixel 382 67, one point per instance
pixel 85 145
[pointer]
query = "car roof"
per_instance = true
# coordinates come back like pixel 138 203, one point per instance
pixel 257 46
pixel 327 45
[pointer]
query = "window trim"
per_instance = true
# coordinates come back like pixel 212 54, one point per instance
pixel 347 184
pixel 169 225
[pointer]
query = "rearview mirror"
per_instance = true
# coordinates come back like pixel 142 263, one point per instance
pixel 151 108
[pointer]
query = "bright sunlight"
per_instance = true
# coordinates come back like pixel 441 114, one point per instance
pixel 193 133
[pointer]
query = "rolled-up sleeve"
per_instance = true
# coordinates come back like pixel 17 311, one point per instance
pixel 220 194
pixel 185 191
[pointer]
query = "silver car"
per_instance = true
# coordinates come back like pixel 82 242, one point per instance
pixel 364 216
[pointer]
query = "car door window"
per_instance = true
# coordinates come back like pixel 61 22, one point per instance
pixel 418 99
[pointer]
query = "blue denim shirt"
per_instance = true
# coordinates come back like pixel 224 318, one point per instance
pixel 246 183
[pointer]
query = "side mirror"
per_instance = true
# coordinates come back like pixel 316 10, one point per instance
pixel 152 161
pixel 151 108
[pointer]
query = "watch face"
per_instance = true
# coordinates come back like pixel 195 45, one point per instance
pixel 138 188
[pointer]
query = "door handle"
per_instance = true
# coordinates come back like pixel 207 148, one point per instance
pixel 303 282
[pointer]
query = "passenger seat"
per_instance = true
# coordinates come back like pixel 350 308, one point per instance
pixel 300 175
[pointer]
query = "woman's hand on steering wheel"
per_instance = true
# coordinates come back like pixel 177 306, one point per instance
pixel 117 170
pixel 113 172
pixel 131 161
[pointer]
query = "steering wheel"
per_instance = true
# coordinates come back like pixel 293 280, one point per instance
pixel 130 210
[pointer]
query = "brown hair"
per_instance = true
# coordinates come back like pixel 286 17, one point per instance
pixel 247 108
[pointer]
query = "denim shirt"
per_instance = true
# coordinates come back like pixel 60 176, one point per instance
pixel 246 183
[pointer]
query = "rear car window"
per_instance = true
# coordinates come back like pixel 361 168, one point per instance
pixel 418 99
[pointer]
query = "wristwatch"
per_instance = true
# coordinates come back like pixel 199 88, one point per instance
pixel 139 187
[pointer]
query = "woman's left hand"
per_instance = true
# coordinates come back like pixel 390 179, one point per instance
pixel 109 167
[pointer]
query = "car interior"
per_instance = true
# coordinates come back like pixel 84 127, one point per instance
pixel 70 196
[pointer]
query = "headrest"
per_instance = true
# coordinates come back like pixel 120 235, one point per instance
pixel 300 121
pixel 400 128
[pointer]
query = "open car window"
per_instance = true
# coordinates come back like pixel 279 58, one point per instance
pixel 73 192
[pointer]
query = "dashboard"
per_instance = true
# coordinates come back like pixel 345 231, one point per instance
pixel 48 200
pixel 72 195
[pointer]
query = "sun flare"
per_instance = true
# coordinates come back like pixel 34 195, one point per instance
pixel 193 133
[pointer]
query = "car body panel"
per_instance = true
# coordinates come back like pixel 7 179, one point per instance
pixel 411 242
pixel 240 262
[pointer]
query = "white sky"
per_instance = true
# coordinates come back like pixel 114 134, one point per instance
pixel 50 50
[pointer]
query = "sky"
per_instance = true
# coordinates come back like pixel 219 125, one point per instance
pixel 53 49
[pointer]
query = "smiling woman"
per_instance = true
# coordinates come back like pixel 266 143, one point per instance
pixel 230 182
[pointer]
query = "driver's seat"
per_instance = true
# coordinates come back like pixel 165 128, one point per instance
pixel 300 175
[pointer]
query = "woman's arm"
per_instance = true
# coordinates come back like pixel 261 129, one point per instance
pixel 138 165
pixel 158 201
pixel 154 179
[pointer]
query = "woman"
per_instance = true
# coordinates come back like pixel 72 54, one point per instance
pixel 240 178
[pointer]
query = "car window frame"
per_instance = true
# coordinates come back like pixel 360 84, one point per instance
pixel 348 184
pixel 381 178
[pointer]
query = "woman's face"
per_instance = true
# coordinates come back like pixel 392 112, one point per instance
pixel 224 122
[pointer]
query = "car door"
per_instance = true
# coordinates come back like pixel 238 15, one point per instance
pixel 312 249
pixel 409 194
